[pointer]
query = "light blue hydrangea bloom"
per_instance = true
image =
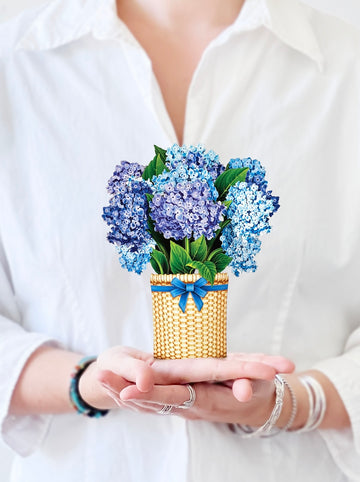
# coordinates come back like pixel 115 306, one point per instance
pixel 256 175
pixel 194 157
pixel 249 211
pixel 135 260
pixel 188 164
pixel 242 249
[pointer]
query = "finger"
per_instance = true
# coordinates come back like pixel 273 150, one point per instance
pixel 149 406
pixel 242 390
pixel 120 403
pixel 132 352
pixel 114 397
pixel 146 407
pixel 279 363
pixel 160 395
pixel 110 380
pixel 130 364
pixel 210 369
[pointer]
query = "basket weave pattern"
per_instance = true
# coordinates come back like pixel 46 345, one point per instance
pixel 193 334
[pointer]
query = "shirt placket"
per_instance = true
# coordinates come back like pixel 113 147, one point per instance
pixel 141 69
pixel 197 116
pixel 107 24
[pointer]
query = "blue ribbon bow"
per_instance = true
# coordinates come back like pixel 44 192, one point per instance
pixel 184 289
pixel 198 290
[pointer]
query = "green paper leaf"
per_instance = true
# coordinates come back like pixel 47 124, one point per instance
pixel 214 242
pixel 149 197
pixel 161 261
pixel 154 168
pixel 229 178
pixel 222 225
pixel 198 249
pixel 227 203
pixel 179 259
pixel 207 269
pixel 220 259
pixel 162 243
pixel 159 151
pixel 214 253
pixel 155 266
pixel 159 165
pixel 149 170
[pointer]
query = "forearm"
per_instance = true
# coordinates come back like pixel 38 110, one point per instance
pixel 336 416
pixel 43 386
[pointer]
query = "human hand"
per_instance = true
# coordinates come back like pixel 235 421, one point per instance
pixel 238 367
pixel 214 402
pixel 238 389
pixel 121 367
pixel 117 367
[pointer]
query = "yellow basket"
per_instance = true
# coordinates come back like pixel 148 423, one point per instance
pixel 193 334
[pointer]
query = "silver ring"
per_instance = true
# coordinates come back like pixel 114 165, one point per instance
pixel 189 403
pixel 166 410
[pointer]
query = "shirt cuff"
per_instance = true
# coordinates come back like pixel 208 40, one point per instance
pixel 22 433
pixel 344 445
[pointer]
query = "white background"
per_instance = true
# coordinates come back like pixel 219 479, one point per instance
pixel 349 10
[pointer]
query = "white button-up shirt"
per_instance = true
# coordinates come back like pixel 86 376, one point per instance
pixel 77 95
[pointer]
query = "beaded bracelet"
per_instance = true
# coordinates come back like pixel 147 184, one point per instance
pixel 77 402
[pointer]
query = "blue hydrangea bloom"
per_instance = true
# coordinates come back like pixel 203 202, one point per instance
pixel 194 157
pixel 123 172
pixel 242 250
pixel 256 175
pixel 250 213
pixel 185 210
pixel 189 164
pixel 183 174
pixel 249 210
pixel 135 260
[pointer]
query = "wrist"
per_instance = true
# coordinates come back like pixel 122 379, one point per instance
pixel 91 391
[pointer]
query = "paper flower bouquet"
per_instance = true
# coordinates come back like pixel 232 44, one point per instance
pixel 189 217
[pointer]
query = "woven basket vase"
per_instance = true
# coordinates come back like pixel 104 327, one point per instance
pixel 193 334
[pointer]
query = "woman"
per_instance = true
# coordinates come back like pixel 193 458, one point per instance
pixel 83 83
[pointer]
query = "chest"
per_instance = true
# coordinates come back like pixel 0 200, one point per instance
pixel 63 148
pixel 175 52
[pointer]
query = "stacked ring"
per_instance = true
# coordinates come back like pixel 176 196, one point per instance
pixel 167 408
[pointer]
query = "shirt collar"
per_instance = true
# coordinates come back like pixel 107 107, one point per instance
pixel 291 22
pixel 62 21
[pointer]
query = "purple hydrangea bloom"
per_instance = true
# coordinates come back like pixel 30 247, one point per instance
pixel 123 172
pixel 250 213
pixel 256 175
pixel 185 210
pixel 127 216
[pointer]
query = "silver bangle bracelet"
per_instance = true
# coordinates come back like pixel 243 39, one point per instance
pixel 293 407
pixel 317 403
pixel 265 430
